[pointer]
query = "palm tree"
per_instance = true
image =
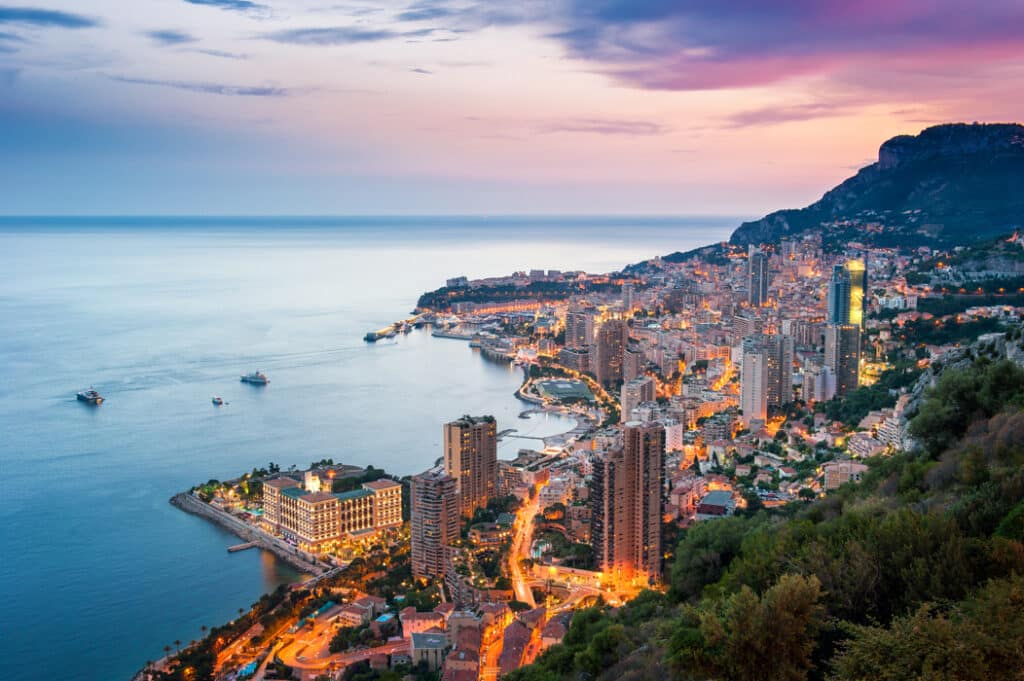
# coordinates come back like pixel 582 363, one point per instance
pixel 177 646
pixel 167 650
pixel 203 629
pixel 241 611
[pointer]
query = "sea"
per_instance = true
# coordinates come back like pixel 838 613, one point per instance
pixel 98 572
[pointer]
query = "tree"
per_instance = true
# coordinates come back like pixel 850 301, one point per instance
pixel 751 638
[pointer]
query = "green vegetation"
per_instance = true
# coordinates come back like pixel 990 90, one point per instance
pixel 963 397
pixel 195 662
pixel 444 297
pixel 857 403
pixel 914 573
pixel 945 331
pixel 351 482
pixel 954 304
pixel 347 638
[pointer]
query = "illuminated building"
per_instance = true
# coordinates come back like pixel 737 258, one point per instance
pixel 757 279
pixel 842 355
pixel 579 328
pixel 435 521
pixel 577 359
pixel 319 520
pixel 632 361
pixel 471 457
pixel 628 296
pixel 754 386
pixel 625 498
pixel 611 347
pixel 779 352
pixel 847 294
pixel 635 392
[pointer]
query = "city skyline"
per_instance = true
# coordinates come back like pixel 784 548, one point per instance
pixel 291 107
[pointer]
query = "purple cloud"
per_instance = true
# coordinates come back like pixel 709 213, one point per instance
pixel 208 88
pixel 772 115
pixel 694 44
pixel 343 35
pixel 602 126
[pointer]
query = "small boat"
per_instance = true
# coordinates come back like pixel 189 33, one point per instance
pixel 90 396
pixel 256 378
pixel 218 400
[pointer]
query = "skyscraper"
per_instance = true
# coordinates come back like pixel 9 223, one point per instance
pixel 632 362
pixel 754 385
pixel 611 344
pixel 626 491
pixel 842 355
pixel 757 279
pixel 628 295
pixel 779 351
pixel 435 521
pixel 847 294
pixel 579 328
pixel 471 457
pixel 633 393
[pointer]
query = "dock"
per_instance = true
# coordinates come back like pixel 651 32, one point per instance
pixel 241 547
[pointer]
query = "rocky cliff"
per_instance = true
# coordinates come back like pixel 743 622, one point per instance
pixel 950 184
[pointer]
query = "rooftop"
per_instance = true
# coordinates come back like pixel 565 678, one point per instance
pixel 427 640
pixel 280 483
pixel 381 484
pixel 354 494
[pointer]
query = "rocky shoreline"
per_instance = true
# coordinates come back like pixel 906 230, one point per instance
pixel 289 554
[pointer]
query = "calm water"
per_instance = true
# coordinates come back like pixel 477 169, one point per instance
pixel 98 571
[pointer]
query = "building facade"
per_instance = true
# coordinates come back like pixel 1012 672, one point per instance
pixel 611 347
pixel 319 521
pixel 754 386
pixel 842 355
pixel 757 279
pixel 579 328
pixel 626 490
pixel 471 457
pixel 435 521
pixel 847 291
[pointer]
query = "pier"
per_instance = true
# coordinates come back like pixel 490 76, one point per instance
pixel 241 547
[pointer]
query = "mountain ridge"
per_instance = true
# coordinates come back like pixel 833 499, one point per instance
pixel 950 184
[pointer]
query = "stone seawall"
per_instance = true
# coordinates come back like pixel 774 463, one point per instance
pixel 289 554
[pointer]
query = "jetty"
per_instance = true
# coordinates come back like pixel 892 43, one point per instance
pixel 242 547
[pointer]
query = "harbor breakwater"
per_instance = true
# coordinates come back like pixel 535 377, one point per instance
pixel 289 554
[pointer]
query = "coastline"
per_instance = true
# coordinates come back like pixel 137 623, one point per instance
pixel 186 502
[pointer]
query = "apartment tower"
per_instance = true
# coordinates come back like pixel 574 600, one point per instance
pixel 471 457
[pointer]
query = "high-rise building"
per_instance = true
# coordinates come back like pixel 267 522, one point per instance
pixel 628 295
pixel 635 392
pixel 434 522
pixel 754 386
pixel 471 457
pixel 577 359
pixel 579 328
pixel 632 361
pixel 611 345
pixel 842 355
pixel 757 279
pixel 847 291
pixel 626 490
pixel 779 351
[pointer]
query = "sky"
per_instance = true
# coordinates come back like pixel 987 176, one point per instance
pixel 479 106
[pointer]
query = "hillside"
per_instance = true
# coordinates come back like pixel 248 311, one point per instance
pixel 916 572
pixel 951 184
